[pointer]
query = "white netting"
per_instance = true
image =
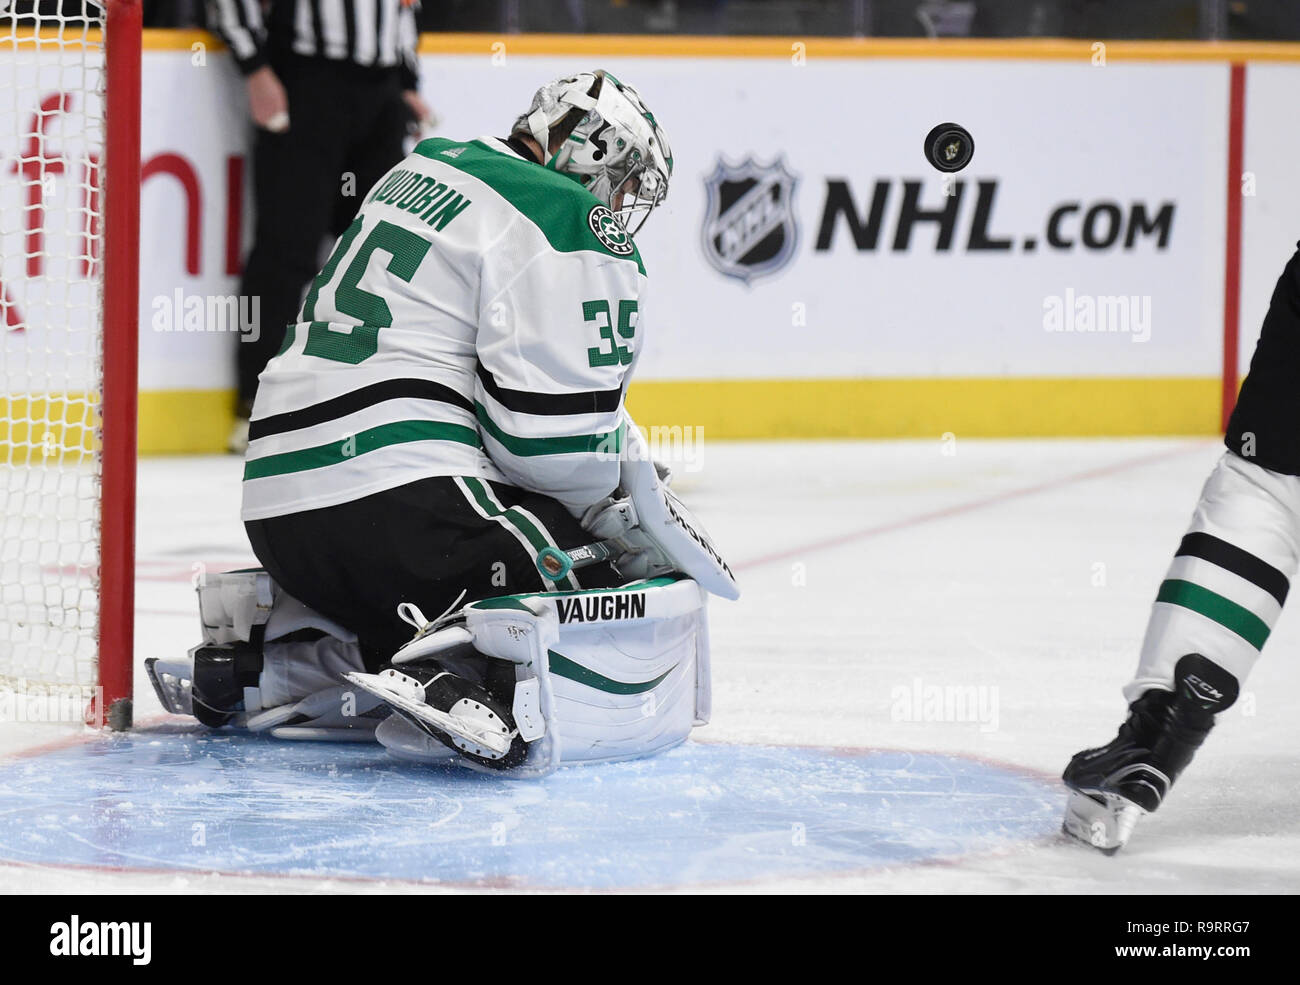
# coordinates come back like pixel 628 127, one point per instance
pixel 51 146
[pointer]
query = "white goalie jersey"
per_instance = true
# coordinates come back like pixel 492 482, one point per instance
pixel 480 317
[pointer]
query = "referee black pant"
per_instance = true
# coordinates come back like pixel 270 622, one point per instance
pixel 346 128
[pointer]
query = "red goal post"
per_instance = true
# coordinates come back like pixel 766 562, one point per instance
pixel 69 274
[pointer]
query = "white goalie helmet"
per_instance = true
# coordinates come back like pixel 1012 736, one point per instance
pixel 612 144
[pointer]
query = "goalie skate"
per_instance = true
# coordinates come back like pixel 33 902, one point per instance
pixel 451 709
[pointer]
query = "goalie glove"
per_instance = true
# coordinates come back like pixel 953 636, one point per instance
pixel 615 521
pixel 653 528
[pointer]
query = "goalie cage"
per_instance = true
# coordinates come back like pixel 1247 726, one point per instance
pixel 69 265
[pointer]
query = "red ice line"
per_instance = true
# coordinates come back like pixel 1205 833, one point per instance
pixel 160 570
pixel 997 499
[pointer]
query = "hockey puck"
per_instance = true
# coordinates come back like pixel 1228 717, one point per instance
pixel 949 147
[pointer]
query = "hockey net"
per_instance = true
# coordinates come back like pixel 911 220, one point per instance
pixel 69 183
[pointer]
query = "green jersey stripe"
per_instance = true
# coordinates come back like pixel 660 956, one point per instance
pixel 562 666
pixel 334 452
pixel 1212 605
pixel 555 204
pixel 610 442
pixel 290 333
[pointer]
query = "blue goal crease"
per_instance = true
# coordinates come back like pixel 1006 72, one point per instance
pixel 180 800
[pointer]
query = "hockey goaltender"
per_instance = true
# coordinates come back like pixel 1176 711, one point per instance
pixel 444 431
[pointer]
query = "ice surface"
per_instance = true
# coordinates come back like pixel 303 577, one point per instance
pixel 984 607
pixel 704 814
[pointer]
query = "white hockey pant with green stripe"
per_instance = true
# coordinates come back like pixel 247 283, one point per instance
pixel 1226 586
pixel 600 675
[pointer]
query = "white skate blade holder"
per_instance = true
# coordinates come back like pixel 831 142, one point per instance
pixel 1106 826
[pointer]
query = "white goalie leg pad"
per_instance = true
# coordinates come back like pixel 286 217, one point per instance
pixel 338 713
pixel 301 680
pixel 1220 595
pixel 629 675
pixel 233 603
pixel 600 675
pixel 293 670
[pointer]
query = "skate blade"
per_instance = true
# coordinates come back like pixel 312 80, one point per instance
pixel 168 687
pixel 406 695
pixel 1101 819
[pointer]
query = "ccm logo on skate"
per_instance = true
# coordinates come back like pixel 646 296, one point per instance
pixel 103 939
pixel 627 605
pixel 1204 688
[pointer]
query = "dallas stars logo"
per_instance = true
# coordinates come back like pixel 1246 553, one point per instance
pixel 610 231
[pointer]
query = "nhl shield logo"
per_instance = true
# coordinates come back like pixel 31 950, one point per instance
pixel 749 226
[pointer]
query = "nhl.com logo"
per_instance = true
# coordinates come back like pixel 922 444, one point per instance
pixel 750 230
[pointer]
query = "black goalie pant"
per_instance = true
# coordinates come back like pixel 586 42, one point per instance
pixel 424 543
pixel 1265 426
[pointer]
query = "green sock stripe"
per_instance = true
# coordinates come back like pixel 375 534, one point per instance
pixel 1212 605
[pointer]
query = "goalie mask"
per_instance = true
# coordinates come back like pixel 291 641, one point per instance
pixel 612 144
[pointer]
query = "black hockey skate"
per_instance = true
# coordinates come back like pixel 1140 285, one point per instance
pixel 1112 786
pixel 457 712
pixel 210 686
